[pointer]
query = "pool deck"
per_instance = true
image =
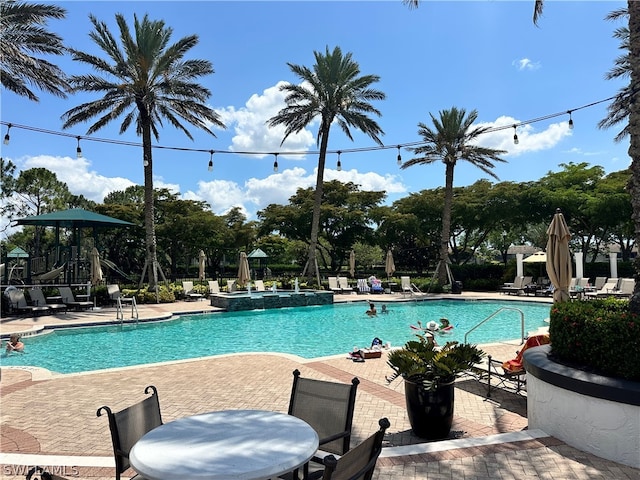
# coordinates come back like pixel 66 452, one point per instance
pixel 50 419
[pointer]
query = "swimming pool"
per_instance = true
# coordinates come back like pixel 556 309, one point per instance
pixel 306 331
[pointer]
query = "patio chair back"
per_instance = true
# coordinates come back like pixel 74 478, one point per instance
pixel 326 406
pixel 343 283
pixel 214 286
pixel 363 286
pixel 360 462
pixel 259 284
pixel 599 283
pixel 129 425
pixel 333 284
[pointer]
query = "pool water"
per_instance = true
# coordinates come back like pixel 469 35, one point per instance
pixel 306 331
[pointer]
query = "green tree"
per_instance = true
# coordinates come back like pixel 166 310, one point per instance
pixel 146 80
pixel 452 138
pixel 333 91
pixel 23 33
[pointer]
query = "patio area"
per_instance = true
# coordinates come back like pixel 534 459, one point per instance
pixel 50 420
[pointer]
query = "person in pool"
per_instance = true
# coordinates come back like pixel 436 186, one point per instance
pixel 384 309
pixel 372 310
pixel 15 344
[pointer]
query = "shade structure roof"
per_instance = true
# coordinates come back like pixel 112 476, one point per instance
pixel 538 257
pixel 257 253
pixel 17 253
pixel 74 218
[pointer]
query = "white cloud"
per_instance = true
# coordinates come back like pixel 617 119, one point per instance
pixel 257 193
pixel 529 140
pixel 78 175
pixel 526 64
pixel 250 125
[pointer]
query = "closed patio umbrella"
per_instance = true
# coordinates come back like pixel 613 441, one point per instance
pixel 243 269
pixel 389 266
pixel 558 257
pixel 96 268
pixel 352 263
pixel 201 260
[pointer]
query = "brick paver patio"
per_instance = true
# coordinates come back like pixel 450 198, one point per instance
pixel 55 415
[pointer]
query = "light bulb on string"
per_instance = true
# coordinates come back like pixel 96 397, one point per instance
pixel 78 149
pixel 210 167
pixel 399 156
pixel 570 120
pixel 275 163
pixel 515 136
pixel 339 166
pixel 6 136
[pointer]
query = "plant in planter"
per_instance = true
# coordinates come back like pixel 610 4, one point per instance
pixel 429 373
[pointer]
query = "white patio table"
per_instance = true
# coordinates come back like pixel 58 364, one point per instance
pixel 225 445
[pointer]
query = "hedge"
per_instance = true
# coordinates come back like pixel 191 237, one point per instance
pixel 601 335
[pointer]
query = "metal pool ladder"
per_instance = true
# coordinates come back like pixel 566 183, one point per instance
pixel 120 310
pixel 493 315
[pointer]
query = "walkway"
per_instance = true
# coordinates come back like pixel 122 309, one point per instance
pixel 51 419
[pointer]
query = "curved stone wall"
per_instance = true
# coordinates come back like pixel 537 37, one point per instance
pixel 596 414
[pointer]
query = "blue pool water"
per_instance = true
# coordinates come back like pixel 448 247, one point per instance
pixel 306 331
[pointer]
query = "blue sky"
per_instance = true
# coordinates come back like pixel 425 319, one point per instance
pixel 478 55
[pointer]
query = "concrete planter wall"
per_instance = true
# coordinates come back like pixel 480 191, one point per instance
pixel 596 414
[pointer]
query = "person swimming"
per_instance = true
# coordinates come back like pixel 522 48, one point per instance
pixel 384 309
pixel 15 344
pixel 372 312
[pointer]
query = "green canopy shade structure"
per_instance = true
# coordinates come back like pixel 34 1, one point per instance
pixel 261 258
pixel 74 219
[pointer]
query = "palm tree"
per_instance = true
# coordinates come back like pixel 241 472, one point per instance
pixel 333 91
pixel 23 34
pixel 452 139
pixel 146 80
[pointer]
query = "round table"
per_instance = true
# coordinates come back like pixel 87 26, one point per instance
pixel 225 445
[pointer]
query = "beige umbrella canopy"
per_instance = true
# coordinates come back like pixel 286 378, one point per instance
pixel 538 257
pixel 243 269
pixel 558 257
pixel 201 260
pixel 389 266
pixel 96 268
pixel 352 263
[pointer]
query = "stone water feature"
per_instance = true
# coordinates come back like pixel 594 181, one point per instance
pixel 252 300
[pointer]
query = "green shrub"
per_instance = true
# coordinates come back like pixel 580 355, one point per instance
pixel 601 335
pixel 166 295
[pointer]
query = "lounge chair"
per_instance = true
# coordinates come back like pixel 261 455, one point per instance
pixel 357 463
pixel 19 303
pixel 259 284
pixel 214 286
pixel 625 290
pixel 328 407
pixel 343 283
pixel 69 300
pixel 114 294
pixel 519 286
pixel 232 286
pixel 129 425
pixel 405 286
pixel 607 289
pixel 190 293
pixel 363 286
pixel 510 286
pixel 376 284
pixel 599 283
pixel 512 371
pixel 333 285
pixel 38 297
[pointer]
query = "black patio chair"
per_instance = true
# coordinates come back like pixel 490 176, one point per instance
pixel 328 407
pixel 129 425
pixel 359 463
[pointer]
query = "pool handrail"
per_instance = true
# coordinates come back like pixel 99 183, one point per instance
pixel 493 315
pixel 119 309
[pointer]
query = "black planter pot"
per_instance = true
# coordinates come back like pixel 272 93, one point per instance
pixel 430 412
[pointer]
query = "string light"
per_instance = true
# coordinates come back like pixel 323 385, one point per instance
pixel 6 135
pixel 210 167
pixel 515 135
pixel 294 153
pixel 339 167
pixel 78 149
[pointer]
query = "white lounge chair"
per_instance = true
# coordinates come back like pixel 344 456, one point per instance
pixel 405 286
pixel 343 283
pixel 115 294
pixel 363 286
pixel 214 286
pixel 333 285
pixel 625 290
pixel 189 292
pixel 259 284
pixel 607 289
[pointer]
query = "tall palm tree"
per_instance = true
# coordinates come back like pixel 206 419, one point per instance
pixel 452 138
pixel 146 80
pixel 23 34
pixel 333 91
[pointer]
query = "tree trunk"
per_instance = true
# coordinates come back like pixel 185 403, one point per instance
pixel 634 133
pixel 149 220
pixel 446 223
pixel 317 204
